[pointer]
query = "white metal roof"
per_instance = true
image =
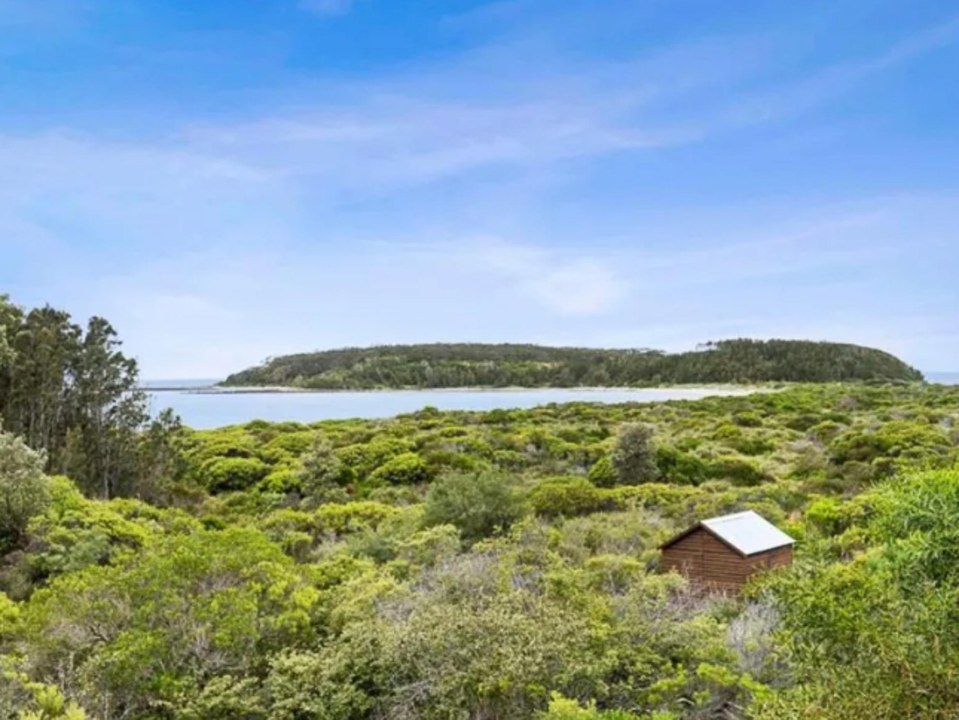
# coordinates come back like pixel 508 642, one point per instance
pixel 748 532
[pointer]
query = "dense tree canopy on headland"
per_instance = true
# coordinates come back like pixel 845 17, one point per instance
pixel 469 565
pixel 478 365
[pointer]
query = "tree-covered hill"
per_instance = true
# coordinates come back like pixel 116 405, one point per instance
pixel 487 365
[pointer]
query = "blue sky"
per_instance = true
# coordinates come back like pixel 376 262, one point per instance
pixel 228 180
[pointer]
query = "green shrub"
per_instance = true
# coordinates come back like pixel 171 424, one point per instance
pixel 396 495
pixel 478 505
pixel 364 458
pixel 727 432
pixel 430 546
pixel 742 441
pixel 613 574
pixel 826 516
pixel 233 473
pixel 680 467
pixel 440 461
pixel 668 500
pixel 322 473
pixel 603 472
pixel 858 473
pixel 286 520
pixel 511 459
pixel 802 423
pixel 24 489
pixel 281 480
pixel 566 497
pixel 825 431
pixel 747 418
pixel 352 516
pixel 926 502
pixel 287 446
pixel 406 469
pixel 738 471
pixel 754 445
pixel 225 443
pixel 896 439
pixel 561 708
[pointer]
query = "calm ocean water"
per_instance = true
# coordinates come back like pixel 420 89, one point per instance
pixel 209 410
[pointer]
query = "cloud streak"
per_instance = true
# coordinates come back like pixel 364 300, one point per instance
pixel 422 129
pixel 578 286
pixel 208 310
pixel 484 197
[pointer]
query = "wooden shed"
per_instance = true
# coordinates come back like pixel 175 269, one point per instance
pixel 723 552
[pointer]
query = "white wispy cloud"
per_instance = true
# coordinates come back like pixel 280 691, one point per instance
pixel 423 127
pixel 82 190
pixel 215 245
pixel 205 310
pixel 399 140
pixel 568 284
pixel 829 82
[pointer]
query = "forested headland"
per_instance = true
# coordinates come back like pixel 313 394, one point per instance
pixel 479 565
pixel 505 365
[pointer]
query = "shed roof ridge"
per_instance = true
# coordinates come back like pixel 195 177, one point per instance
pixel 733 516
pixel 748 532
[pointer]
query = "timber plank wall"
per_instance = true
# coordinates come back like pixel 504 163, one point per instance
pixel 706 560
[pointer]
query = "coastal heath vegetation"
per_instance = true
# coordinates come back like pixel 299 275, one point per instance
pixel 448 565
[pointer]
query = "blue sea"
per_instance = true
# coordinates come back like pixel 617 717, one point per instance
pixel 200 409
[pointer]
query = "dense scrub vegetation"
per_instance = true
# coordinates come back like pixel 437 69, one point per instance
pixel 475 365
pixel 467 565
pixel 495 565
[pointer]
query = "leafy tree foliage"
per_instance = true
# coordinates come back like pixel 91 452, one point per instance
pixel 71 392
pixel 479 505
pixel 635 457
pixel 471 365
pixel 24 488
pixel 10 317
pixel 875 636
pixel 322 472
pixel 149 628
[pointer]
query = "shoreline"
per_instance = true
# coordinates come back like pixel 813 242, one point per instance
pixel 283 390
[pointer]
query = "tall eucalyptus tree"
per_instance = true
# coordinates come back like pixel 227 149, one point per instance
pixel 71 392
